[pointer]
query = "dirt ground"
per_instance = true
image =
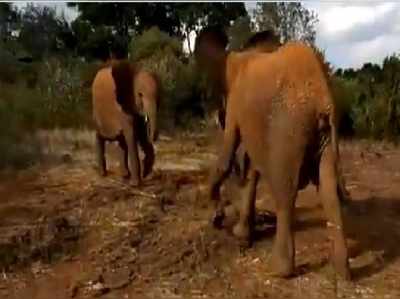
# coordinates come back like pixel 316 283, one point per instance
pixel 67 233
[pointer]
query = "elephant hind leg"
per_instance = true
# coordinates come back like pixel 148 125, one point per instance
pixel 282 259
pixel 223 169
pixel 244 229
pixel 100 152
pixel 133 155
pixel 328 191
pixel 123 158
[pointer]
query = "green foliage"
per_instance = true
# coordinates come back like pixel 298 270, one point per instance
pixel 18 146
pixel 13 71
pixel 58 97
pixel 291 20
pixel 43 33
pixel 372 98
pixel 65 102
pixel 345 93
pixel 8 17
pixel 240 32
pixel 154 42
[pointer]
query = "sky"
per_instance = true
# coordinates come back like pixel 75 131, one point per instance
pixel 350 32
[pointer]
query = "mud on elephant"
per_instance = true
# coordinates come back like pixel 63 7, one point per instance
pixel 125 104
pixel 279 107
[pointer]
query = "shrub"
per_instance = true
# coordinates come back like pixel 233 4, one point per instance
pixel 18 146
pixel 345 93
pixel 154 41
pixel 64 98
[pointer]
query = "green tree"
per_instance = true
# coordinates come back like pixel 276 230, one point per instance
pixel 391 79
pixel 239 33
pixel 176 19
pixel 43 33
pixel 290 19
pixel 118 16
pixel 194 16
pixel 8 17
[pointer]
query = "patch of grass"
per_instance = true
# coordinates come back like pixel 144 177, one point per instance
pixel 18 146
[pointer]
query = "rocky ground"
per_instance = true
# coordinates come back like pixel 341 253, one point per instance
pixel 67 233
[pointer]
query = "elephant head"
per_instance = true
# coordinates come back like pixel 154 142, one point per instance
pixel 264 41
pixel 138 93
pixel 147 99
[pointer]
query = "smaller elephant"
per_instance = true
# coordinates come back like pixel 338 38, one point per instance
pixel 125 104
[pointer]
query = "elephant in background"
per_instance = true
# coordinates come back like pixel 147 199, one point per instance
pixel 279 107
pixel 125 105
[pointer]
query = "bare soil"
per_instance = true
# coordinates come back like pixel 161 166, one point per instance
pixel 65 232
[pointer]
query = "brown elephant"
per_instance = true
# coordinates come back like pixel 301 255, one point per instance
pixel 265 41
pixel 125 104
pixel 280 107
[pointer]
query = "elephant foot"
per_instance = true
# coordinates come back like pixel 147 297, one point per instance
pixel 124 171
pixel 135 182
pixel 147 171
pixel 218 219
pixel 125 175
pixel 281 266
pixel 102 172
pixel 231 216
pixel 341 266
pixel 225 217
pixel 343 271
pixel 244 234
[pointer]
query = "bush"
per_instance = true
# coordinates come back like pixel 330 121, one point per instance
pixel 345 93
pixel 154 41
pixel 58 99
pixel 64 98
pixel 18 146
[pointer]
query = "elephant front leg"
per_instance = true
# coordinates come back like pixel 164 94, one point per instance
pixel 100 152
pixel 244 229
pixel 123 159
pixel 221 172
pixel 133 156
pixel 149 157
pixel 330 200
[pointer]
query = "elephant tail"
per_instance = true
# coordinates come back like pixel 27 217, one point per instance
pixel 334 137
pixel 123 74
pixel 327 126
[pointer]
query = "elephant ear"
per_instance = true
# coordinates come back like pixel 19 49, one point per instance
pixel 123 74
pixel 210 51
pixel 265 41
